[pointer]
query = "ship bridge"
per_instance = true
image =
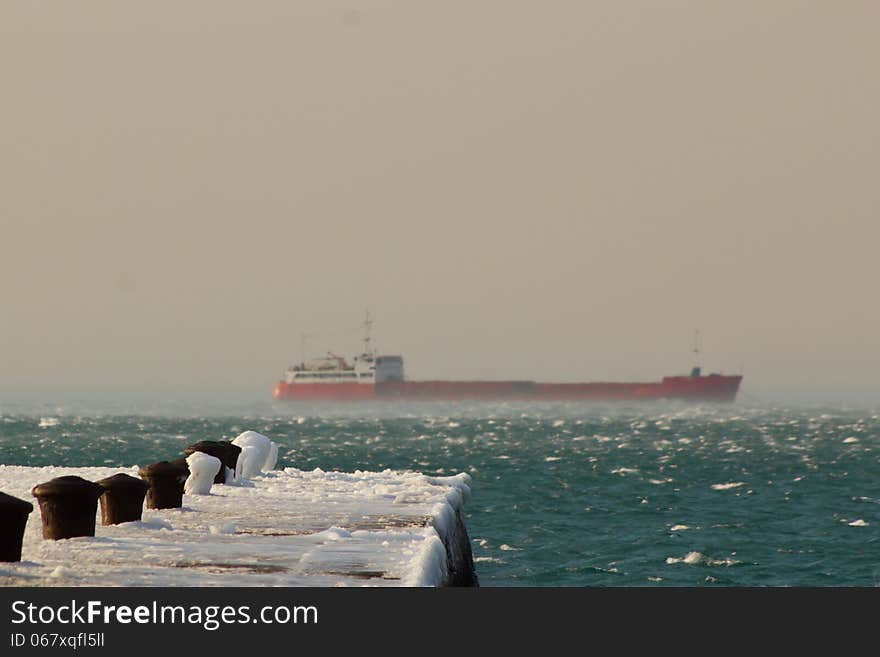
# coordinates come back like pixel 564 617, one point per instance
pixel 389 368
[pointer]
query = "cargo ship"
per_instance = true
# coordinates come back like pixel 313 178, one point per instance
pixel 369 376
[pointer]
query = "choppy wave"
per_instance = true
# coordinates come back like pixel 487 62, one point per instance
pixel 566 494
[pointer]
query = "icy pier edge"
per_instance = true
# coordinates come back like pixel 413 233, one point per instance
pixel 446 558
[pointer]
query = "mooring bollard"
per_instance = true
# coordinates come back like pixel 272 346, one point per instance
pixel 233 453
pixel 68 506
pixel 13 518
pixel 166 484
pixel 221 449
pixel 123 499
pixel 183 465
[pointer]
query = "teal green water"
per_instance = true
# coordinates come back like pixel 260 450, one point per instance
pixel 567 494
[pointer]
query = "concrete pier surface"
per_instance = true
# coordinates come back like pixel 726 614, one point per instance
pixel 282 528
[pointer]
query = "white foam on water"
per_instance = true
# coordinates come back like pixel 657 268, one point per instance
pixel 728 486
pixel 692 558
pixel 721 562
pixel 49 422
pixel 695 558
pixel 679 528
pixel 858 523
pixel 851 439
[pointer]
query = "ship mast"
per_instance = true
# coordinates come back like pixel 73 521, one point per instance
pixel 696 369
pixel 368 324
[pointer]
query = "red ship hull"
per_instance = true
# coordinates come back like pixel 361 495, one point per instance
pixel 714 387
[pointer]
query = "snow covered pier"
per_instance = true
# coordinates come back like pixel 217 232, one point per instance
pixel 281 528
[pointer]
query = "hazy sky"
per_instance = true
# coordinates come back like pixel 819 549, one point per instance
pixel 547 190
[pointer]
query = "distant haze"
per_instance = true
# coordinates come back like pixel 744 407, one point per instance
pixel 553 191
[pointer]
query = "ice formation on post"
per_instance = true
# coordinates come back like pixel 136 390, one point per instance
pixel 202 470
pixel 255 452
pixel 272 458
pixel 294 528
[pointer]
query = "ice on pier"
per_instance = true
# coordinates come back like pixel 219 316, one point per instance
pixel 295 528
pixel 272 458
pixel 247 467
pixel 202 470
pixel 256 454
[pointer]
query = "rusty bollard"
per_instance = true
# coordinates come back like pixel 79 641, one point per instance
pixel 13 518
pixel 223 450
pixel 233 453
pixel 166 484
pixel 123 499
pixel 183 465
pixel 68 506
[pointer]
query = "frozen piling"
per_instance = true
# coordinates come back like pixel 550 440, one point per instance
pixel 221 449
pixel 272 459
pixel 182 465
pixel 123 499
pixel 68 506
pixel 13 519
pixel 203 469
pixel 256 453
pixel 166 484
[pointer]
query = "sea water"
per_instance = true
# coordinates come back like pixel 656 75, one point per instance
pixel 563 494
